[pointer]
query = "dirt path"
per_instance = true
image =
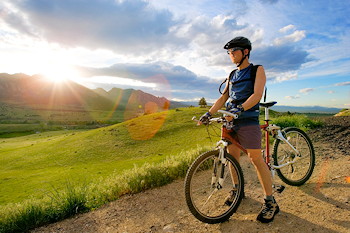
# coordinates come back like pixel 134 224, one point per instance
pixel 321 205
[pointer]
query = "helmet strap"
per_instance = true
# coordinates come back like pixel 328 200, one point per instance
pixel 244 56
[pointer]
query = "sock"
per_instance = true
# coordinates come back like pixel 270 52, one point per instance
pixel 269 198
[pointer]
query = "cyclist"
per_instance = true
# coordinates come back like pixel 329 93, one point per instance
pixel 242 95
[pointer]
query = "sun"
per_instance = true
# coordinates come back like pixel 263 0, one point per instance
pixel 60 73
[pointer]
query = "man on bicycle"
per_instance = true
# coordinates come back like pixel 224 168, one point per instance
pixel 241 96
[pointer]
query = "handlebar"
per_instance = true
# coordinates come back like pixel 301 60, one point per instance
pixel 235 116
pixel 220 119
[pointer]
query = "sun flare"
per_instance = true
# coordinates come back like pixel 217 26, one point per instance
pixel 60 74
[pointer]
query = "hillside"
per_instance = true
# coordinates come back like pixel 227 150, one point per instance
pixel 34 99
pixel 36 91
pixel 121 97
pixel 305 109
pixel 320 205
pixel 40 161
pixel 134 101
pixel 344 112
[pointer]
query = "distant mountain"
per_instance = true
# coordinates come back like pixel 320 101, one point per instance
pixel 284 108
pixel 37 91
pixel 40 92
pixel 122 96
pixel 305 109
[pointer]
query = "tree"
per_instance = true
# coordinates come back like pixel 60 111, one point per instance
pixel 202 102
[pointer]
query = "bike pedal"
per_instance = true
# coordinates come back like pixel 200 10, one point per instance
pixel 280 188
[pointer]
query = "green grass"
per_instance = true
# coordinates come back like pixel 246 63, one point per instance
pixel 50 176
pixel 344 112
pixel 301 121
pixel 81 197
pixel 22 114
pixel 31 165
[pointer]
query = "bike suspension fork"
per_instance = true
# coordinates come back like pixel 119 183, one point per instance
pixel 218 175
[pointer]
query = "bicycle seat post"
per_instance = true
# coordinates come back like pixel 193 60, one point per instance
pixel 267 105
pixel 267 116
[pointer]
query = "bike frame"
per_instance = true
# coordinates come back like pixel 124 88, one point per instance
pixel 225 135
pixel 276 131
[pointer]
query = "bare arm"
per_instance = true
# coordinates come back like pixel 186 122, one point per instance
pixel 259 85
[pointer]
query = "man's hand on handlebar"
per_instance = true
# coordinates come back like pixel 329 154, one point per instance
pixel 237 110
pixel 204 119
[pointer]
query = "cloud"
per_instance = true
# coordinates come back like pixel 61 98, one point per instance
pixel 330 92
pixel 292 97
pixel 124 26
pixel 342 84
pixel 287 28
pixel 306 90
pixel 281 76
pixel 138 30
pixel 134 29
pixel 14 20
pixel 294 37
pixel 280 58
pixel 179 79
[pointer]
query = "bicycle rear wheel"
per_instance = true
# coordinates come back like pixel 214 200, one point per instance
pixel 205 196
pixel 299 172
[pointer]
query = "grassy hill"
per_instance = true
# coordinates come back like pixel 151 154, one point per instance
pixel 343 112
pixel 32 165
pixel 47 177
pixel 34 91
pixel 37 101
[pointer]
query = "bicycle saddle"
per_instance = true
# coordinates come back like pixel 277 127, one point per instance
pixel 268 104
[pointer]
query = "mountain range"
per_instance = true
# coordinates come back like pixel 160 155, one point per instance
pixel 305 109
pixel 292 109
pixel 38 92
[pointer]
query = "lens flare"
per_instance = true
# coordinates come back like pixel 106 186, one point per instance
pixel 347 179
pixel 141 103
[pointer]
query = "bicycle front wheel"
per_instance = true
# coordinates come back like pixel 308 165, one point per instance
pixel 209 182
pixel 297 173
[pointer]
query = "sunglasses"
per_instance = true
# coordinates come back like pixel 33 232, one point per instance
pixel 231 50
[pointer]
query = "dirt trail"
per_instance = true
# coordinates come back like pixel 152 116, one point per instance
pixel 321 205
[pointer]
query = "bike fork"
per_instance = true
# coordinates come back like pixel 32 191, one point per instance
pixel 218 175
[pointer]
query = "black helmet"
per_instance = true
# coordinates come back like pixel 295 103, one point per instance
pixel 239 42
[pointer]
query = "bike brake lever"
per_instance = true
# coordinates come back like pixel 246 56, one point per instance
pixel 194 119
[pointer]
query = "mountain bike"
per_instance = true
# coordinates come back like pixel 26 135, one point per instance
pixel 216 173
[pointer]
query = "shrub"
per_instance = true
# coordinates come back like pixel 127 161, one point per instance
pixel 300 121
pixel 79 198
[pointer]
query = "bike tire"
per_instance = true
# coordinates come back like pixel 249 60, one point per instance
pixel 199 190
pixel 298 173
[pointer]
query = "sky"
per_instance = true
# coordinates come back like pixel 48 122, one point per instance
pixel 175 48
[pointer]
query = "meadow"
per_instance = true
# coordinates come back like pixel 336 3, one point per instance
pixel 52 175
pixel 19 120
pixel 33 164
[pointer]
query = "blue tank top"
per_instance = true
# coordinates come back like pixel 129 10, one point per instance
pixel 241 87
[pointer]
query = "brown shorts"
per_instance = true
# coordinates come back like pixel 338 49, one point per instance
pixel 249 136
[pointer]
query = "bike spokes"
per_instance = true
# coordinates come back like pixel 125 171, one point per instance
pixel 296 157
pixel 206 193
